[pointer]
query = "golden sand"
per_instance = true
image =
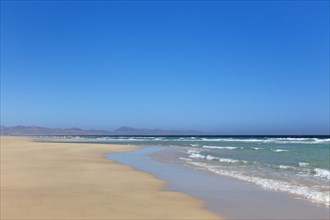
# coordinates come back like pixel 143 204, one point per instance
pixel 75 181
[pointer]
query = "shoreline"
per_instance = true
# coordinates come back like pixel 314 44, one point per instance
pixel 228 197
pixel 42 180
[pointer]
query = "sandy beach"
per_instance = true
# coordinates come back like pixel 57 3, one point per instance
pixel 75 181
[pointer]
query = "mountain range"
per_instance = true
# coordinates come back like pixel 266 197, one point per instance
pixel 36 130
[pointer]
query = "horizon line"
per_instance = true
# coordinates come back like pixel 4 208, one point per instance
pixel 206 132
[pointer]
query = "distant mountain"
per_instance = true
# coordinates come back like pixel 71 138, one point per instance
pixel 134 131
pixel 35 130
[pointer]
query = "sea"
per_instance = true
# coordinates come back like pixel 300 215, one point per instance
pixel 298 166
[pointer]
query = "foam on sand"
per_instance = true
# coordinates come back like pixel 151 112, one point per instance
pixel 271 184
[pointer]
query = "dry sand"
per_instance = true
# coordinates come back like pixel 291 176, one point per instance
pixel 75 181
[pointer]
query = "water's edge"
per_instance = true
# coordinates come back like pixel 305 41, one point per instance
pixel 225 196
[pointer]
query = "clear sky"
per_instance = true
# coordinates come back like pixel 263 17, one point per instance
pixel 239 67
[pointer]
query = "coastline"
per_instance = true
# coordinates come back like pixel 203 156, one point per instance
pixel 70 180
pixel 228 197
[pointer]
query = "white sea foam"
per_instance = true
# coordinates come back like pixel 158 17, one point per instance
pixel 122 139
pixel 272 140
pixel 183 158
pixel 303 164
pixel 135 139
pixel 209 157
pixel 194 145
pixel 257 148
pixel 279 150
pixel 283 167
pixel 218 147
pixel 275 185
pixel 322 173
pixel 299 140
pixel 228 160
pixel 191 151
pixel 222 160
pixel 317 140
pixel 197 155
pixel 223 139
pixel 234 140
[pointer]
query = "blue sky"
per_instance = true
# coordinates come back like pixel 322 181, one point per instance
pixel 239 67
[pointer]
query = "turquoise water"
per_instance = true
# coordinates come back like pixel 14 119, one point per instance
pixel 299 166
pixel 228 197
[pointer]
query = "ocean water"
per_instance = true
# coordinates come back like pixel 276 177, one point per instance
pixel 299 166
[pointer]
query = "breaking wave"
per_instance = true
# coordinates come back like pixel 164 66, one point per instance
pixel 218 147
pixel 271 184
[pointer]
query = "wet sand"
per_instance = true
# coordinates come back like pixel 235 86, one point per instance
pixel 74 181
pixel 231 198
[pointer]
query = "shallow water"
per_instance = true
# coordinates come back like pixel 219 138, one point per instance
pixel 298 166
pixel 225 196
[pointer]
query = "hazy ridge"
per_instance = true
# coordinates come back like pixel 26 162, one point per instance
pixel 36 130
